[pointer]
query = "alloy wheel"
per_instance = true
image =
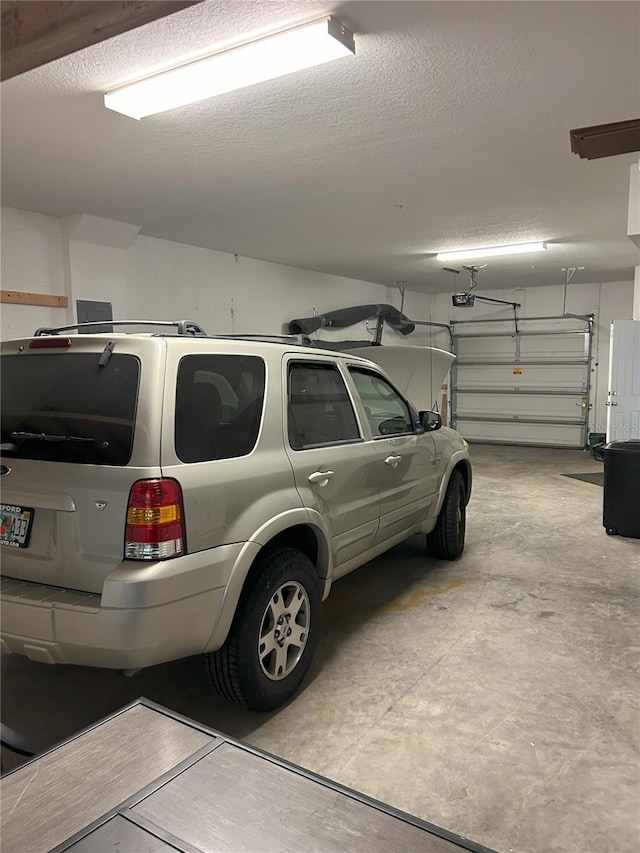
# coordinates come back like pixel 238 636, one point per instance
pixel 284 629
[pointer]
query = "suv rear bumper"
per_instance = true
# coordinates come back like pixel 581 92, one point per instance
pixel 52 625
pixel 144 617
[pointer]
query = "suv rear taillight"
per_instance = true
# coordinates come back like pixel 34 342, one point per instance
pixel 155 524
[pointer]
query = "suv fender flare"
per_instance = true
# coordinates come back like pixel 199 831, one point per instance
pixel 460 456
pixel 246 559
pixel 454 462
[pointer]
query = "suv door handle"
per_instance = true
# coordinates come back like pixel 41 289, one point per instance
pixel 393 461
pixel 320 477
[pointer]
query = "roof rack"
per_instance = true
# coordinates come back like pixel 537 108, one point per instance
pixel 299 340
pixel 184 327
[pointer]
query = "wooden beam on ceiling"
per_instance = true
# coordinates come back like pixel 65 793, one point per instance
pixel 606 140
pixel 35 32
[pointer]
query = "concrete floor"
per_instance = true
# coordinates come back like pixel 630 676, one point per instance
pixel 496 697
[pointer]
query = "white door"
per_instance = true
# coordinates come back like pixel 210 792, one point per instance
pixel 623 403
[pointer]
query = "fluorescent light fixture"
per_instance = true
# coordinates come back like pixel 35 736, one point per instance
pixel 513 249
pixel 250 63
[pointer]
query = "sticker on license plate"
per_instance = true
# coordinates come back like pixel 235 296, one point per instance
pixel 15 525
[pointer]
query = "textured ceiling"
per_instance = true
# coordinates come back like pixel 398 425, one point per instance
pixel 450 128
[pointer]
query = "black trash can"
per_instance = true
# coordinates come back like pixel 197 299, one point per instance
pixel 621 508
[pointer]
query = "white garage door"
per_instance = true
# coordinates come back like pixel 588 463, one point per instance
pixel 524 383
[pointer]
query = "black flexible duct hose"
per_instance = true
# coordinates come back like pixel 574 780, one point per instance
pixel 350 316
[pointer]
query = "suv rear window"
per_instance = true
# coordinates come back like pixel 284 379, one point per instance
pixel 219 403
pixel 62 407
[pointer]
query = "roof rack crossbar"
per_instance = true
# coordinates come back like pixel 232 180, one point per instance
pixel 300 340
pixel 184 327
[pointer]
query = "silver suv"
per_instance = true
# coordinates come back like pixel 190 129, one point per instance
pixel 171 493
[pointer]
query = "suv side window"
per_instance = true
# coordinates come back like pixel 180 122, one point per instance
pixel 219 402
pixel 387 412
pixel 228 396
pixel 319 409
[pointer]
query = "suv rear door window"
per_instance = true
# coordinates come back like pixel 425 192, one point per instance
pixel 219 402
pixel 63 407
pixel 387 413
pixel 319 409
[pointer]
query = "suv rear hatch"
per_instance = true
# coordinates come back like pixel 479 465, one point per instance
pixel 417 371
pixel 79 426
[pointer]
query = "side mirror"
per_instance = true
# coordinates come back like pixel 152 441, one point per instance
pixel 431 421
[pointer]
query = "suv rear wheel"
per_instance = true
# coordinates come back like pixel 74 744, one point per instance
pixel 274 634
pixel 446 540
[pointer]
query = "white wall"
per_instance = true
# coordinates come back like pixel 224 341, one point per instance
pixel 230 294
pixel 98 273
pixel 32 261
pixel 608 301
pixel 159 279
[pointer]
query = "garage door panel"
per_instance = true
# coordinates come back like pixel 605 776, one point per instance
pixel 525 405
pixel 560 435
pixel 529 387
pixel 536 346
pixel 485 348
pixel 494 326
pixel 552 346
pixel 568 377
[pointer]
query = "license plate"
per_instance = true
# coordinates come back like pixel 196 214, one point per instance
pixel 15 525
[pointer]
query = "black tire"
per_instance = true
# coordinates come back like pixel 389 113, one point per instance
pixel 238 670
pixel 446 540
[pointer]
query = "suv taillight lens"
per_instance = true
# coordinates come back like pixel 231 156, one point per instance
pixel 155 525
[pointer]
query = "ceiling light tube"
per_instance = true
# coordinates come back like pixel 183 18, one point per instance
pixel 254 62
pixel 512 249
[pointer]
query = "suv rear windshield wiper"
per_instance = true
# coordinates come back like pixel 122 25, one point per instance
pixel 45 436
